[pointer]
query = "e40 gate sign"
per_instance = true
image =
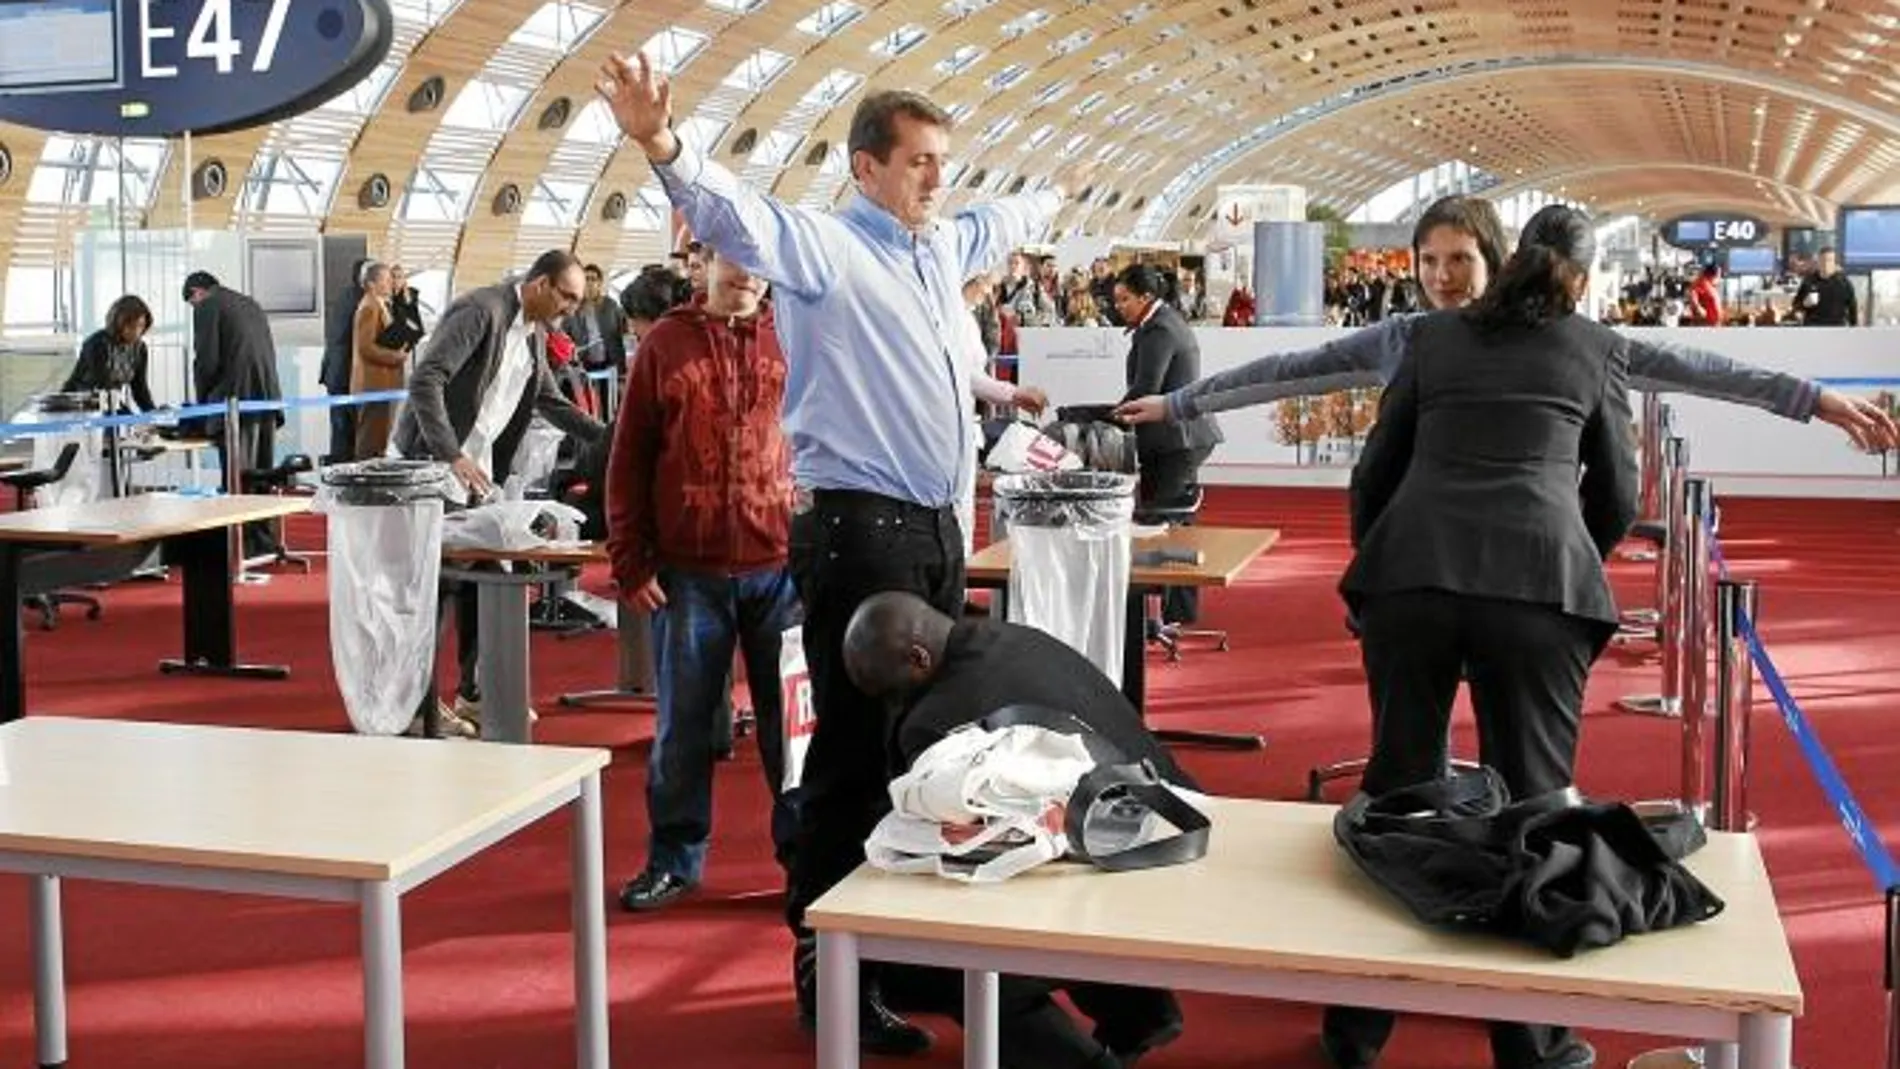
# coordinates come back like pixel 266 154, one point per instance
pixel 157 68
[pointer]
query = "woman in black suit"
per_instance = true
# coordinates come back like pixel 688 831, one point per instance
pixel 1500 475
pixel 114 359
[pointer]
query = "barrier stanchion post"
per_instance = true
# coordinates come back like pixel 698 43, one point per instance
pixel 1670 568
pixel 233 436
pixel 1734 705
pixel 1893 978
pixel 1695 648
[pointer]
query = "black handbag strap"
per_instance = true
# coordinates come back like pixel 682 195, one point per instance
pixel 1107 784
pixel 1041 716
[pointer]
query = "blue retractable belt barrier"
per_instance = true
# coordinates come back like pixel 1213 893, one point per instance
pixel 1851 381
pixel 166 417
pixel 1861 830
pixel 1865 835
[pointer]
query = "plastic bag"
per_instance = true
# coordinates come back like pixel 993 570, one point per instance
pixel 1070 557
pixel 538 454
pixel 795 690
pixel 1022 448
pixel 506 525
pixel 385 541
pixel 986 803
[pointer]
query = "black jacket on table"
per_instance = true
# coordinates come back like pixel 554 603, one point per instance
pixel 97 369
pixel 1469 482
pixel 990 665
pixel 1163 356
pixel 1556 870
pixel 234 353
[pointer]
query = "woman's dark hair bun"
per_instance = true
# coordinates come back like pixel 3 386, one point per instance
pixel 1554 250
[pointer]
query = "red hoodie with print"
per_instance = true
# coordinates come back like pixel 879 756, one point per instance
pixel 700 474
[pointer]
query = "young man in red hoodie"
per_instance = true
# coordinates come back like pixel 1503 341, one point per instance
pixel 699 497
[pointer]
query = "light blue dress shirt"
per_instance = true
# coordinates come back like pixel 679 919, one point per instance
pixel 877 394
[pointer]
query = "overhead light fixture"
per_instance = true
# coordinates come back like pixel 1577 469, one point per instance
pixel 1305 56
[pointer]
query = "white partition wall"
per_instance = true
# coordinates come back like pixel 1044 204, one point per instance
pixel 1747 451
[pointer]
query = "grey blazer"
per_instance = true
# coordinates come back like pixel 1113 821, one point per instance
pixel 459 361
pixel 1501 467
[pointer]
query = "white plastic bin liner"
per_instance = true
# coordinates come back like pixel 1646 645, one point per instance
pixel 1070 557
pixel 385 542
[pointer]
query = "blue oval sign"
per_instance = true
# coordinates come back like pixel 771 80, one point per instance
pixel 158 68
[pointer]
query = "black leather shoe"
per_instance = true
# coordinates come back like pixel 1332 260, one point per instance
pixel 1340 1058
pixel 653 890
pixel 1131 1051
pixel 880 1031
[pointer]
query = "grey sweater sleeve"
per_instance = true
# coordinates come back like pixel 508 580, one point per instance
pixel 1665 367
pixel 1366 357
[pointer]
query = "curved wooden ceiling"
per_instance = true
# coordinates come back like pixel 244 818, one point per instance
pixel 1778 107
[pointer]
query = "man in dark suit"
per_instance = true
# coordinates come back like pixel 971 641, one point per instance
pixel 481 379
pixel 338 353
pixel 936 675
pixel 1163 355
pixel 233 355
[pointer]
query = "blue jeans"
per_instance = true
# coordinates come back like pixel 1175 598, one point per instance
pixel 706 615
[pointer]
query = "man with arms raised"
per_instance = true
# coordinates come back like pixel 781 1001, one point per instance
pixel 877 406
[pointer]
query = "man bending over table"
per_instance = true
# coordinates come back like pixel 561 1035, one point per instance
pixel 936 675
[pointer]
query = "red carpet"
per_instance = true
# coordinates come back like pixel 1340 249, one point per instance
pixel 161 978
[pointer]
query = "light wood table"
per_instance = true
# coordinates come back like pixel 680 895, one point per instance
pixel 69 544
pixel 335 818
pixel 502 609
pixel 1277 910
pixel 1225 554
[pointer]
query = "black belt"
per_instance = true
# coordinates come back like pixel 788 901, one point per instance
pixel 829 500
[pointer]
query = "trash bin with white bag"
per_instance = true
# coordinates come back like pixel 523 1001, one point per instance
pixel 1070 557
pixel 385 543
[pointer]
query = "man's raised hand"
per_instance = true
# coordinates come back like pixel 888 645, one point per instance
pixel 641 100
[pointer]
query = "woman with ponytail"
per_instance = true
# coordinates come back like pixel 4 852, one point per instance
pixel 1458 247
pixel 1498 477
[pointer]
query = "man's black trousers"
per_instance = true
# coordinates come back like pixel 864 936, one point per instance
pixel 845 547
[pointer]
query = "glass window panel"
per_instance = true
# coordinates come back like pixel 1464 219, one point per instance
pixel 557 26
pixel 1022 24
pixel 758 70
pixel 30 299
pixel 831 89
pixel 485 106
pixel 594 125
pixel 673 48
pixel 960 60
pixel 555 203
pixel 829 19
pixel 438 196
pixel 702 133
pixel 776 148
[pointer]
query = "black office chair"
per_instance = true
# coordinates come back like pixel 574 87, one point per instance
pixel 1159 632
pixel 25 485
pixel 279 479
